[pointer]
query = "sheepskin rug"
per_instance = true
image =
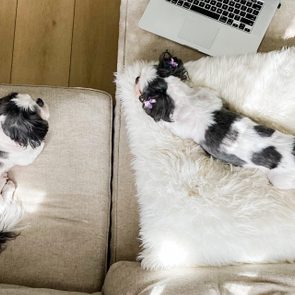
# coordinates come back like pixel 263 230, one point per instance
pixel 195 210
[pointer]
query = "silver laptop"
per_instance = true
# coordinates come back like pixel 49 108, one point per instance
pixel 215 27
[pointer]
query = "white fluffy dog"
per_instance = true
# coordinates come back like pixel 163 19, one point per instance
pixel 199 114
pixel 23 129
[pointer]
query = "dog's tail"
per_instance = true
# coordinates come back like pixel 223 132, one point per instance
pixel 11 213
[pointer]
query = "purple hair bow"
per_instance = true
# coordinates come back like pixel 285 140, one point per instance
pixel 148 104
pixel 173 63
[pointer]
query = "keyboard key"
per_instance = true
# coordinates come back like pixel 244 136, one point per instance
pixel 256 6
pixel 259 3
pixel 219 11
pixel 255 12
pixel 207 1
pixel 237 11
pixel 174 1
pixel 207 6
pixel 218 4
pixel 186 5
pixel 231 15
pixel 231 3
pixel 247 30
pixel 242 13
pixel 225 13
pixel 243 1
pixel 235 25
pixel 205 12
pixel 230 9
pixel 242 26
pixel 213 8
pixel 180 2
pixel 247 22
pixel 196 2
pixel 230 21
pixel 213 2
pixel 189 1
pixel 202 4
pixel 244 7
pixel 225 1
pixel 223 19
pixel 250 16
pixel 237 17
pixel 250 10
pixel 249 3
pixel 224 6
pixel 238 5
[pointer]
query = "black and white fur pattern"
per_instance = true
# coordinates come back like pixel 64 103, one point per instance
pixel 199 114
pixel 23 127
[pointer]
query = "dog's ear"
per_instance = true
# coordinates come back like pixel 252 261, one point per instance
pixel 156 102
pixel 171 66
pixel 162 109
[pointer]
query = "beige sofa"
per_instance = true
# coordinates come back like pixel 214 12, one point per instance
pixel 80 230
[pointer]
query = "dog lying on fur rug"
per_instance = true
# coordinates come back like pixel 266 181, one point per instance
pixel 23 129
pixel 199 114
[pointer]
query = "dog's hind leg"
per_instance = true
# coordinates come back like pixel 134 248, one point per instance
pixel 11 213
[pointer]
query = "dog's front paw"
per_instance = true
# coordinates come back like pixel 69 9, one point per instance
pixel 8 190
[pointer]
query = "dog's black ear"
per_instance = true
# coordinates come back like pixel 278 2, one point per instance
pixel 162 109
pixel 156 102
pixel 5 237
pixel 171 66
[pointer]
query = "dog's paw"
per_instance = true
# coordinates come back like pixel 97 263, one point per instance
pixel 11 209
pixel 8 190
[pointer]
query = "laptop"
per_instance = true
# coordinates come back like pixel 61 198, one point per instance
pixel 215 27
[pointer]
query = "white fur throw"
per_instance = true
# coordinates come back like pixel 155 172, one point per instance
pixel 195 210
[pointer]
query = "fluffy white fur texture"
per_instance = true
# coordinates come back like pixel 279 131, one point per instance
pixel 195 210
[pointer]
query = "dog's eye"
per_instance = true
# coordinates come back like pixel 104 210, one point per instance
pixel 137 79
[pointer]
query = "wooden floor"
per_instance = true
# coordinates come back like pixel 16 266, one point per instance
pixel 59 42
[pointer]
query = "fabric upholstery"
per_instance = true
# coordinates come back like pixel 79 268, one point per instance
pixel 20 290
pixel 66 196
pixel 129 278
pixel 124 242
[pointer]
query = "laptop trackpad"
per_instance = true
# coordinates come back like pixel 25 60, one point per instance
pixel 199 31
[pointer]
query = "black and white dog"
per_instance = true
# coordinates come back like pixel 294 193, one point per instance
pixel 199 114
pixel 23 127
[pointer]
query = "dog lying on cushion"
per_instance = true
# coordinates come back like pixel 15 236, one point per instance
pixel 23 129
pixel 199 114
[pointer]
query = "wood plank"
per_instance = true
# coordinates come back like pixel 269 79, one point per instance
pixel 7 27
pixel 43 39
pixel 95 43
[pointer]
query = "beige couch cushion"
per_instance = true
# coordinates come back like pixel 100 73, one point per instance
pixel 129 278
pixel 125 244
pixel 20 290
pixel 66 195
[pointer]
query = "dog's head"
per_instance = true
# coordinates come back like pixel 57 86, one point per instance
pixel 23 119
pixel 152 84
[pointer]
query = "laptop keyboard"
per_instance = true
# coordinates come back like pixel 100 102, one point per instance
pixel 240 14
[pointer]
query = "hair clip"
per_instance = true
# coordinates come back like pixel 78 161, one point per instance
pixel 148 104
pixel 173 63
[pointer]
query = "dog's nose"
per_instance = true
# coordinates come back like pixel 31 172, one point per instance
pixel 40 102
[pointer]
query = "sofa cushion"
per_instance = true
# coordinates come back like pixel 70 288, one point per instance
pixel 124 242
pixel 20 290
pixel 128 278
pixel 66 196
